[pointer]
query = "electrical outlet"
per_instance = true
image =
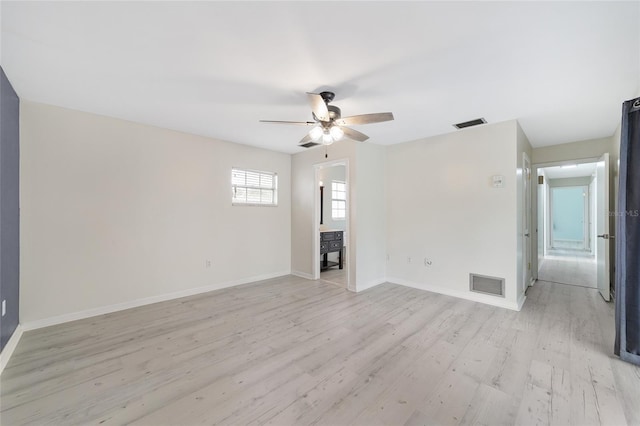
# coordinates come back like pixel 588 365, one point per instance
pixel 208 264
pixel 427 262
pixel 4 307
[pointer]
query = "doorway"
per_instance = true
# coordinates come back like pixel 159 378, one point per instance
pixel 527 276
pixel 331 242
pixel 567 209
pixel 569 212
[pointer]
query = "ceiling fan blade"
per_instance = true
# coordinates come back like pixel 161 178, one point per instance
pixel 354 134
pixel 365 119
pixel 318 106
pixel 299 123
pixel 304 140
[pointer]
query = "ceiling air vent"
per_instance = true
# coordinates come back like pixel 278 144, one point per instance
pixel 470 123
pixel 308 144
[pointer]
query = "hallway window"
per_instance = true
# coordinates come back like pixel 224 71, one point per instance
pixel 338 200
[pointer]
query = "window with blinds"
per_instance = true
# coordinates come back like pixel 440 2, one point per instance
pixel 254 188
pixel 338 200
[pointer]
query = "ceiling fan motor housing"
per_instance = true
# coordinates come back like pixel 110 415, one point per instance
pixel 327 96
pixel 334 114
pixel 334 111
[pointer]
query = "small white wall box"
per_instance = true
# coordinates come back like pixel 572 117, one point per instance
pixel 498 181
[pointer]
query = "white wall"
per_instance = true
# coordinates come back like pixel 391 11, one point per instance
pixel 441 205
pixel 114 212
pixel 576 181
pixel 371 239
pixel 592 215
pixel 592 148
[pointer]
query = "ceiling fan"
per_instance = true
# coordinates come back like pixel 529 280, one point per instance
pixel 329 125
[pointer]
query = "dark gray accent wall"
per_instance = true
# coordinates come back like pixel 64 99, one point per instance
pixel 9 207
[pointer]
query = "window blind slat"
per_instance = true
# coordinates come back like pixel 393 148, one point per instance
pixel 254 187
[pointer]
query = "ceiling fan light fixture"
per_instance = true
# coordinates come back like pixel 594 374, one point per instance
pixel 326 127
pixel 316 133
pixel 327 139
pixel 336 133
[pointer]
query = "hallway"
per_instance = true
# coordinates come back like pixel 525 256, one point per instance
pixel 569 267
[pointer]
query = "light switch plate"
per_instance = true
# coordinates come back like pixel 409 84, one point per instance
pixel 498 181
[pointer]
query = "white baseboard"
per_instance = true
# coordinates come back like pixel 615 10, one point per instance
pixel 475 297
pixel 370 284
pixel 46 322
pixel 302 275
pixel 521 300
pixel 11 345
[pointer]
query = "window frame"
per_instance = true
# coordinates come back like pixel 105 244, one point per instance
pixel 342 200
pixel 246 186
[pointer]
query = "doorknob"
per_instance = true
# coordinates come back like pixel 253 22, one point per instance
pixel 605 236
pixel 526 235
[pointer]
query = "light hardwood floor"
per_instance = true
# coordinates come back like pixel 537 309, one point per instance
pixel 289 351
pixel 568 268
pixel 335 275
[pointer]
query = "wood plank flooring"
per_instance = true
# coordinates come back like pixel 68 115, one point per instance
pixel 335 275
pixel 289 351
pixel 569 268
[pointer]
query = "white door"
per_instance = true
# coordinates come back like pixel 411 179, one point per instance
pixel 602 225
pixel 526 238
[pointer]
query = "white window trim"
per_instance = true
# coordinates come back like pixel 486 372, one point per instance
pixel 341 200
pixel 274 188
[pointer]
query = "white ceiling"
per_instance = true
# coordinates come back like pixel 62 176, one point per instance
pixel 216 68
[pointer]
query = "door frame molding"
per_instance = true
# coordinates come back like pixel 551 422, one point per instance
pixel 315 265
pixel 534 201
pixel 527 222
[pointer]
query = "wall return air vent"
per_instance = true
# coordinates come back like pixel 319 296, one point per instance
pixel 470 123
pixel 486 285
